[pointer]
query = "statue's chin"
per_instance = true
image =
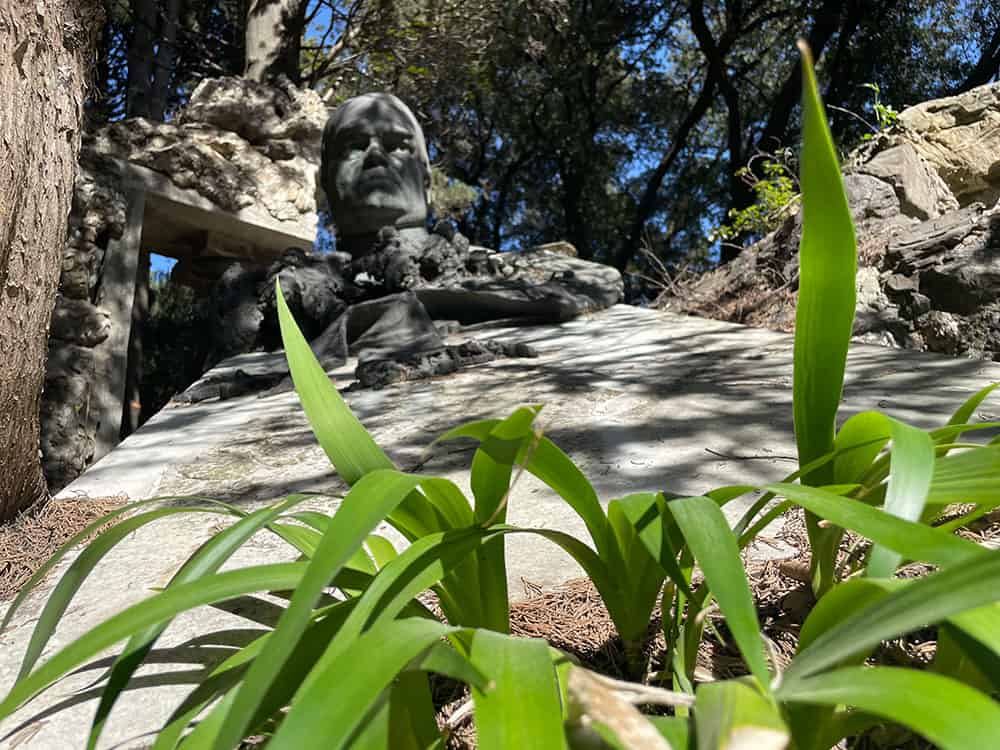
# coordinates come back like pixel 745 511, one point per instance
pixel 368 219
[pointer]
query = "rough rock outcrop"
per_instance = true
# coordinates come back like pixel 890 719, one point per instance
pixel 79 326
pixel 959 136
pixel 239 144
pixel 924 201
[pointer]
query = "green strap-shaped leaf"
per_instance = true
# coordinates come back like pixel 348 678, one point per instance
pixel 372 663
pixel 490 478
pixel 859 441
pixel 646 512
pixel 521 707
pixel 732 715
pixel 951 715
pixel 910 476
pixel 676 730
pixel 827 263
pixel 824 314
pixel 968 476
pixel 972 583
pixel 553 467
pixel 913 541
pixel 207 560
pixel 371 499
pixel 351 450
pixel 80 568
pixel 715 548
pixel 60 553
pixel 964 413
pixel 149 612
pixel 839 603
pixel 639 576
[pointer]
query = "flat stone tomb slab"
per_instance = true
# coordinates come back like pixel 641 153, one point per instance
pixel 640 399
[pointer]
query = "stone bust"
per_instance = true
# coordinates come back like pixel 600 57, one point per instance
pixel 374 170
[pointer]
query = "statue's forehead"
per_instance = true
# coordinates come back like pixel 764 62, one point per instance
pixel 375 111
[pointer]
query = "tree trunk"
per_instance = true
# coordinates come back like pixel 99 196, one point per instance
pixel 165 61
pixel 45 47
pixel 647 203
pixel 274 38
pixel 141 57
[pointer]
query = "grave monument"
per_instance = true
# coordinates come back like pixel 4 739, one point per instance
pixel 386 292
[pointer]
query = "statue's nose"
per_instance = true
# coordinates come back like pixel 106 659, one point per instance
pixel 375 154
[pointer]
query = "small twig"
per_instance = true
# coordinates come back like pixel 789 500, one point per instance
pixel 460 713
pixel 729 457
pixel 642 695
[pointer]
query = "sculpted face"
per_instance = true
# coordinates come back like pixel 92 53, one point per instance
pixel 375 169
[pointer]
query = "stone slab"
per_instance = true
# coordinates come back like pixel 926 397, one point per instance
pixel 640 399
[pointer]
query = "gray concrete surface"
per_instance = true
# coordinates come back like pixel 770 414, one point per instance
pixel 641 400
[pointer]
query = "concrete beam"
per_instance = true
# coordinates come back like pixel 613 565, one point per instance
pixel 247 233
pixel 117 293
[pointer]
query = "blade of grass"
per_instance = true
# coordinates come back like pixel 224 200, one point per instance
pixel 351 450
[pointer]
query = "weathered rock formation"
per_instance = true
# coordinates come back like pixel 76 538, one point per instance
pixel 241 156
pixel 80 323
pixel 924 200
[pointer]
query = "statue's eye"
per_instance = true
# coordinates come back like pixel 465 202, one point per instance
pixel 398 143
pixel 355 143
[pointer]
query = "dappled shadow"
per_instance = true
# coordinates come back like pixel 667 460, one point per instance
pixel 641 400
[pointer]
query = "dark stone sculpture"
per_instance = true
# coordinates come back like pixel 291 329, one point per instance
pixel 374 170
pixel 378 296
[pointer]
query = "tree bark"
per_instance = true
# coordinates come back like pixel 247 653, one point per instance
pixel 274 38
pixel 45 48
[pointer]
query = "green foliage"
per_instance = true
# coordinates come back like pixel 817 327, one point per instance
pixel 450 198
pixel 776 194
pixel 885 116
pixel 348 661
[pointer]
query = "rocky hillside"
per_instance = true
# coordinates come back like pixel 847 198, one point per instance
pixel 925 202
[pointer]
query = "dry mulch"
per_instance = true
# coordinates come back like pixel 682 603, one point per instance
pixel 30 539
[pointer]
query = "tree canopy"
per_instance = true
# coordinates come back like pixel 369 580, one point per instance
pixel 619 125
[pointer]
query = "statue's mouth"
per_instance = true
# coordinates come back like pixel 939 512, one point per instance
pixel 379 177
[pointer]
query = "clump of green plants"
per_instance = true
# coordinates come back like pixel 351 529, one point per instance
pixel 347 663
pixel 776 194
pixel 886 116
